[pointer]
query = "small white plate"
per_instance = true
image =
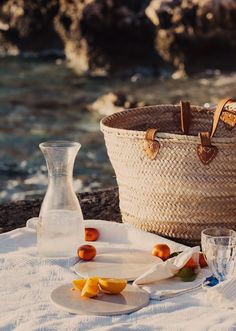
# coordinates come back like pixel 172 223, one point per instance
pixel 131 299
pixel 117 263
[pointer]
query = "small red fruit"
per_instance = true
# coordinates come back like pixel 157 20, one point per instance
pixel 190 264
pixel 162 251
pixel 86 252
pixel 202 260
pixel 91 234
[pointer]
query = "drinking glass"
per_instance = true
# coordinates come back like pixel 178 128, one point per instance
pixel 219 248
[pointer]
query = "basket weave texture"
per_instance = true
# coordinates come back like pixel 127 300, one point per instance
pixel 174 195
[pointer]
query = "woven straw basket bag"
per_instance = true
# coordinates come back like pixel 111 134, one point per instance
pixel 175 167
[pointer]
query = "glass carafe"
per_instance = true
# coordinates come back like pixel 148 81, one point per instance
pixel 60 228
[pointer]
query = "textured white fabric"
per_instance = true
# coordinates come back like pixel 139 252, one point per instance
pixel 26 282
pixel 223 294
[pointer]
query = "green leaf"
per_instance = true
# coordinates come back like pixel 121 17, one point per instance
pixel 175 254
pixel 186 274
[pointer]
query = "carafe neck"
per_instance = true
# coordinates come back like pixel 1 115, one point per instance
pixel 60 195
pixel 60 158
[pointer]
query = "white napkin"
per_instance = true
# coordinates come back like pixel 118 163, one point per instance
pixel 159 281
pixel 223 294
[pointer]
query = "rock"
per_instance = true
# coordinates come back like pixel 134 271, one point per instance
pixel 106 35
pixel 102 204
pixel 195 34
pixel 111 103
pixel 28 26
pixel 67 25
pixel 102 36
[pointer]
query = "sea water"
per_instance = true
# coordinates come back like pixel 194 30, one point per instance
pixel 60 233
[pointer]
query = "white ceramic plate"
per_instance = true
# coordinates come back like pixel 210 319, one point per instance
pixel 131 299
pixel 118 263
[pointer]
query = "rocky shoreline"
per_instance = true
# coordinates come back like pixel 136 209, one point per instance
pixel 101 204
pixel 101 36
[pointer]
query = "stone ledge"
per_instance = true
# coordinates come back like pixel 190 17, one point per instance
pixel 102 204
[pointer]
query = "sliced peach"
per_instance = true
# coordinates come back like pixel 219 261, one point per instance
pixel 112 285
pixel 91 288
pixel 78 284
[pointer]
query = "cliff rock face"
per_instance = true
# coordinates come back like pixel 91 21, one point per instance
pixel 67 24
pixel 107 35
pixel 195 33
pixel 28 26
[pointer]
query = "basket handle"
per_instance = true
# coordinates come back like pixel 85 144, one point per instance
pixel 217 114
pixel 185 116
pixel 206 151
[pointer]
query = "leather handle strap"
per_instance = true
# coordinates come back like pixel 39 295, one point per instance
pixel 206 136
pixel 185 115
pixel 217 114
pixel 205 139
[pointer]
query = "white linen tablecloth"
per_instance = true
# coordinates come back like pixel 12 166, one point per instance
pixel 27 280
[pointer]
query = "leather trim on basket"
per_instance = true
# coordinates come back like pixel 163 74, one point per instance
pixel 206 151
pixel 151 146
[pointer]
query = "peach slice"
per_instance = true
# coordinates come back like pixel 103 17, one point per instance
pixel 90 288
pixel 78 284
pixel 112 285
